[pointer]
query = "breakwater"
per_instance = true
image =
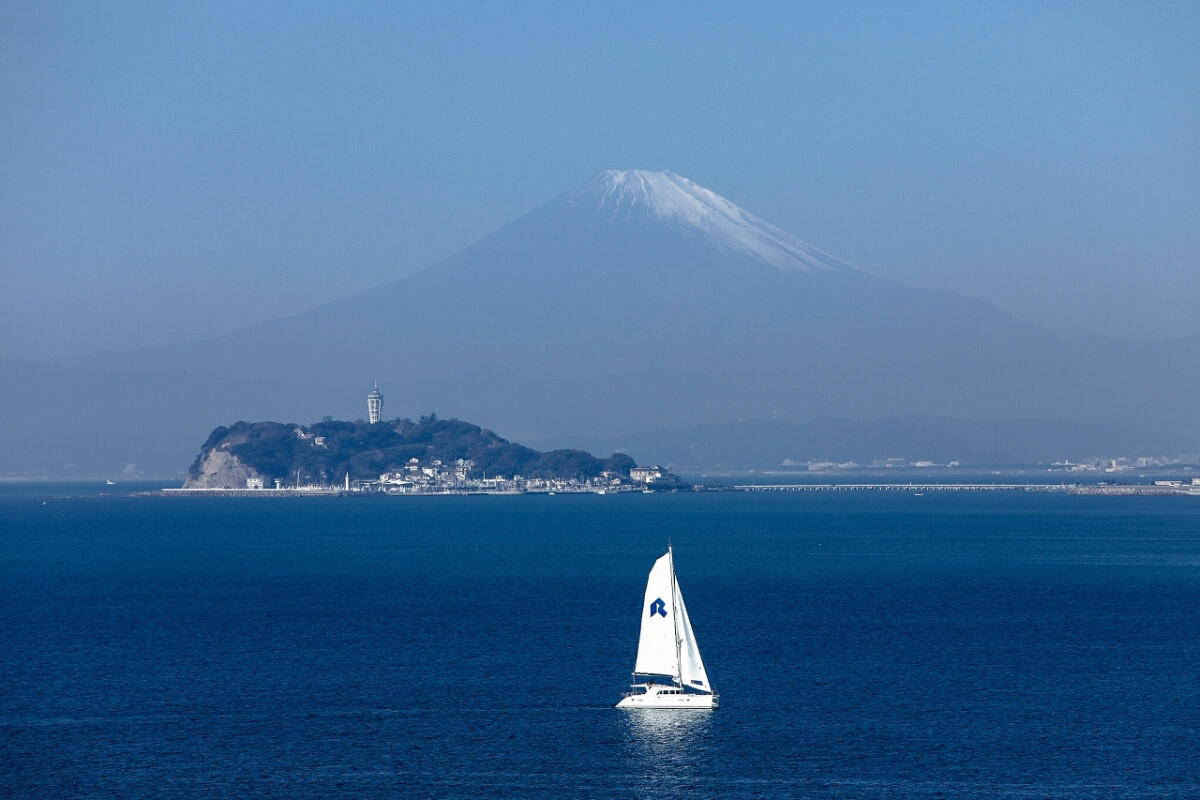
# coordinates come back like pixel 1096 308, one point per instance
pixel 1068 488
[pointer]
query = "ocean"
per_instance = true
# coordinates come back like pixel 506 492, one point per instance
pixel 865 645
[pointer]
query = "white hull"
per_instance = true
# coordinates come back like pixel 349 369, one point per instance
pixel 666 697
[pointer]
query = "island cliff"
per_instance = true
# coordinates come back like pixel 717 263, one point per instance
pixel 327 451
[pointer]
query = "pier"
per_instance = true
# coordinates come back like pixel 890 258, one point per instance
pixel 904 487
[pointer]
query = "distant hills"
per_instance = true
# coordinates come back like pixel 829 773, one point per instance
pixel 758 444
pixel 636 302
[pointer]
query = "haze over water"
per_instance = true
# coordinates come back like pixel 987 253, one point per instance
pixel 866 645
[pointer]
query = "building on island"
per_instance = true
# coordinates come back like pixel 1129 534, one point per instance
pixel 646 474
pixel 374 404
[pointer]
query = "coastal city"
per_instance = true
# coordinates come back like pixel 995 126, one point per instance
pixel 438 478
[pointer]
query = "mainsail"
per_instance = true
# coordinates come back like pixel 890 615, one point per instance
pixel 667 645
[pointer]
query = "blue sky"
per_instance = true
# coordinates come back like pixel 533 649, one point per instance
pixel 173 171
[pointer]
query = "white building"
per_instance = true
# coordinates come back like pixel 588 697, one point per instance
pixel 645 474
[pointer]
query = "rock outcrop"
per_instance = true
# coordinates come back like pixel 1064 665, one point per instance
pixel 220 469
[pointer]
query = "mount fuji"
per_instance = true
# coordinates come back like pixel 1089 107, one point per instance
pixel 637 301
pixel 695 212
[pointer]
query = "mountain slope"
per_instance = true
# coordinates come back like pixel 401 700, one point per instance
pixel 639 301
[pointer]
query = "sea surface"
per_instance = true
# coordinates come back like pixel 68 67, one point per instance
pixel 865 645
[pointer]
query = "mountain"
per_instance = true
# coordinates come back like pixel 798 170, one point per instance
pixel 634 302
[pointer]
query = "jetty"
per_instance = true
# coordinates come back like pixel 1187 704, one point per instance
pixel 1159 489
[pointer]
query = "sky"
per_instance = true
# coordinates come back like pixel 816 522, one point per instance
pixel 174 171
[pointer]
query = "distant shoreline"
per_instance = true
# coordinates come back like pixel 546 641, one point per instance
pixel 1180 490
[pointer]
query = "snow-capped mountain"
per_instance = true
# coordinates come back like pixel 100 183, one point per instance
pixel 635 301
pixel 674 200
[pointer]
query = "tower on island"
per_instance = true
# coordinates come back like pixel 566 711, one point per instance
pixel 374 404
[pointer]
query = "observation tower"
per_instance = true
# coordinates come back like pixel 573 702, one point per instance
pixel 374 404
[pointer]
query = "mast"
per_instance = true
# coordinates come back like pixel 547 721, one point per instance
pixel 675 619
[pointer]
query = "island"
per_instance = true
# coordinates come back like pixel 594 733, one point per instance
pixel 400 456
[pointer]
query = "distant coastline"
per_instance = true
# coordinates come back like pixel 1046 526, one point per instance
pixel 1157 489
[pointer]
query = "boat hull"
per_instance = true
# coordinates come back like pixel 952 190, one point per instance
pixel 656 697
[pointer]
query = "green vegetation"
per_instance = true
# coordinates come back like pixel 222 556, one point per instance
pixel 291 452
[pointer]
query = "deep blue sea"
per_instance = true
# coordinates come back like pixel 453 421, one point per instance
pixel 990 645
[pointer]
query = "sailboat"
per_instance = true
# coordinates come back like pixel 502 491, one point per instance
pixel 669 672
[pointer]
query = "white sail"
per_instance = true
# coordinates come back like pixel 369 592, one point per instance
pixel 691 667
pixel 657 653
pixel 668 645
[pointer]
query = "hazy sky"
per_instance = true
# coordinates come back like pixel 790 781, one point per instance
pixel 171 171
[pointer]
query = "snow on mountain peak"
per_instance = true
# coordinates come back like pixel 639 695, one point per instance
pixel 671 198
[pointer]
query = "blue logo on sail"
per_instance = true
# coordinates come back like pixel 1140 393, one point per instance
pixel 658 607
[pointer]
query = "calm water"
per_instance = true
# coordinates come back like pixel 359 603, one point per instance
pixel 865 646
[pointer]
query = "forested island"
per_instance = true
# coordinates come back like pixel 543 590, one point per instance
pixel 395 454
